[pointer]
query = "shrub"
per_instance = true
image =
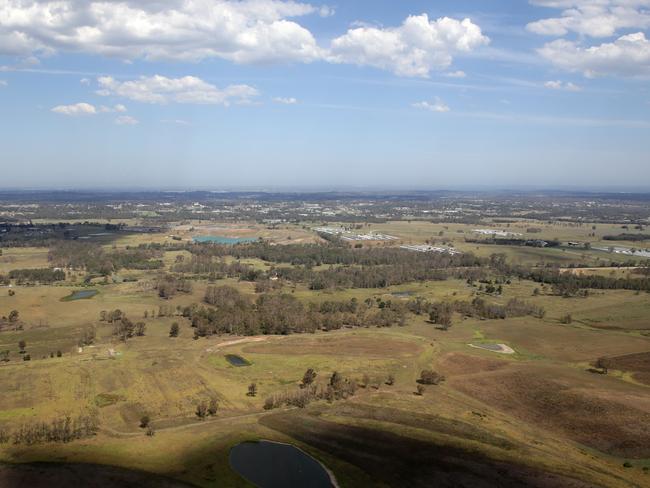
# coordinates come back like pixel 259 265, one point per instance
pixel 429 377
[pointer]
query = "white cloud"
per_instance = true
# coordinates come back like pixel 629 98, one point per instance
pixel 438 106
pixel 285 100
pixel 415 48
pixel 243 31
pixel 455 74
pixel 560 85
pixel 628 55
pixel 594 18
pixel 188 89
pixel 117 108
pixel 84 81
pixel 81 108
pixel 126 120
pixel 175 121
pixel 326 11
pixel 3 83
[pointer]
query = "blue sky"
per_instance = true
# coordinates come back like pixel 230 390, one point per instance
pixel 369 94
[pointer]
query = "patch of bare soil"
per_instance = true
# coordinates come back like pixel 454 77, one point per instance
pixel 456 363
pixel 590 418
pixel 341 344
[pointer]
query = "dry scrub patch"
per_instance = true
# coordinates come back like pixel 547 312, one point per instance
pixel 456 363
pixel 582 414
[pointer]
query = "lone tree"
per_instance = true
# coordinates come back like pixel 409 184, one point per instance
pixel 252 389
pixel 22 345
pixel 308 378
pixel 441 315
pixel 336 380
pixel 390 380
pixel 213 406
pixel 144 421
pixel 604 364
pixel 420 390
pixel 13 316
pixel 202 410
pixel 140 328
pixel 174 329
pixel 567 319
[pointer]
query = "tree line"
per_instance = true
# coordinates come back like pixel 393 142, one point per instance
pixel 37 275
pixel 65 429
pixel 95 260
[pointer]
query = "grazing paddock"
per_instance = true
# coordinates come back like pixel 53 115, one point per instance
pixel 571 403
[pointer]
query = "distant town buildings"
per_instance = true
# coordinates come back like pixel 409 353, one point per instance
pixel 428 248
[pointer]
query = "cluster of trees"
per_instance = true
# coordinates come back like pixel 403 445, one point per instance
pixel 123 327
pixel 338 387
pixel 168 285
pixel 207 408
pixel 88 337
pixel 516 242
pixel 11 321
pixel 441 313
pixel 351 268
pixel 206 265
pixel 569 284
pixel 95 260
pixel 628 237
pixel 235 313
pixel 40 275
pixel 64 429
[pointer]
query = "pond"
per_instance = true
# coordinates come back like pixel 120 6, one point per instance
pixel 223 240
pixel 402 294
pixel 237 361
pixel 80 295
pixel 273 465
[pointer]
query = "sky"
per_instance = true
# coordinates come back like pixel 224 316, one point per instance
pixel 227 94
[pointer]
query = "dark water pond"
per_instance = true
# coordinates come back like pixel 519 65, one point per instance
pixel 403 294
pixel 223 240
pixel 237 360
pixel 80 295
pixel 273 465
